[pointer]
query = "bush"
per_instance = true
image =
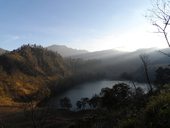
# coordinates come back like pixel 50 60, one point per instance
pixel 128 123
pixel 157 111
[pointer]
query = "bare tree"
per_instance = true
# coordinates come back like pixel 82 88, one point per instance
pixel 32 111
pixel 159 15
pixel 38 116
pixel 145 62
pixel 31 108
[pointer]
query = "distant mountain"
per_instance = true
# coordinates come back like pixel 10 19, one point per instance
pixel 112 64
pixel 65 51
pixel 111 53
pixel 2 51
pixel 29 70
pixel 99 54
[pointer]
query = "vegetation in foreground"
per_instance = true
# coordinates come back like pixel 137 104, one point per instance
pixel 118 107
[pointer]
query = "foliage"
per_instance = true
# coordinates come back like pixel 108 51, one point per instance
pixel 65 103
pixel 128 123
pixel 118 106
pixel 27 71
pixel 94 102
pixel 162 76
pixel 157 111
pixel 116 97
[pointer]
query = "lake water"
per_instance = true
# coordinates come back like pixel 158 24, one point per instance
pixel 88 90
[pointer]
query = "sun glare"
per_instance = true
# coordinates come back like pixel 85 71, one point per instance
pixel 131 40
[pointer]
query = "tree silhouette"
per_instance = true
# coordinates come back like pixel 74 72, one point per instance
pixel 65 103
pixel 116 97
pixel 159 16
pixel 162 76
pixel 145 62
pixel 94 101
pixel 79 105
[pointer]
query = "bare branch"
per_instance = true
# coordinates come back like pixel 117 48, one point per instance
pixel 162 11
pixel 145 62
pixel 166 54
pixel 166 23
pixel 159 27
pixel 160 17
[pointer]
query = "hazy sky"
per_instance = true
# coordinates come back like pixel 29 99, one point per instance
pixel 83 24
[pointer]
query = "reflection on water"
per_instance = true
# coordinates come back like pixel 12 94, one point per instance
pixel 88 90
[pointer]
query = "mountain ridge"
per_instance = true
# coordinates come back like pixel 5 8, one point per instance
pixel 2 51
pixel 65 51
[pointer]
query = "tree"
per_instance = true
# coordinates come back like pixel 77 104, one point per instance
pixel 32 107
pixel 84 102
pixel 79 105
pixel 65 103
pixel 107 98
pixel 159 16
pixel 126 76
pixel 94 101
pixel 145 62
pixel 162 76
pixel 38 116
pixel 116 97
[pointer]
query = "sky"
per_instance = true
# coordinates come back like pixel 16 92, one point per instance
pixel 82 24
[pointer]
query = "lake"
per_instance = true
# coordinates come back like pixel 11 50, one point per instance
pixel 89 90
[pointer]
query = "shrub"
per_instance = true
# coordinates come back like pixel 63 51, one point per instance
pixel 157 111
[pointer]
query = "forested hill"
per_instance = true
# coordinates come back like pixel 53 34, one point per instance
pixel 27 70
pixel 65 51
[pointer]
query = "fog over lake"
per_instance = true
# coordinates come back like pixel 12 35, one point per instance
pixel 90 89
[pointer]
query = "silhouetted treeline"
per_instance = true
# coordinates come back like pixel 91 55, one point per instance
pixel 162 76
pixel 121 107
pixel 119 96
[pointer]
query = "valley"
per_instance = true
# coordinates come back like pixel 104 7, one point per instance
pixel 29 70
pixel 36 80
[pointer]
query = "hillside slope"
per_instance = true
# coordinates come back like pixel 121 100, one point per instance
pixel 66 51
pixel 28 70
pixel 113 64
